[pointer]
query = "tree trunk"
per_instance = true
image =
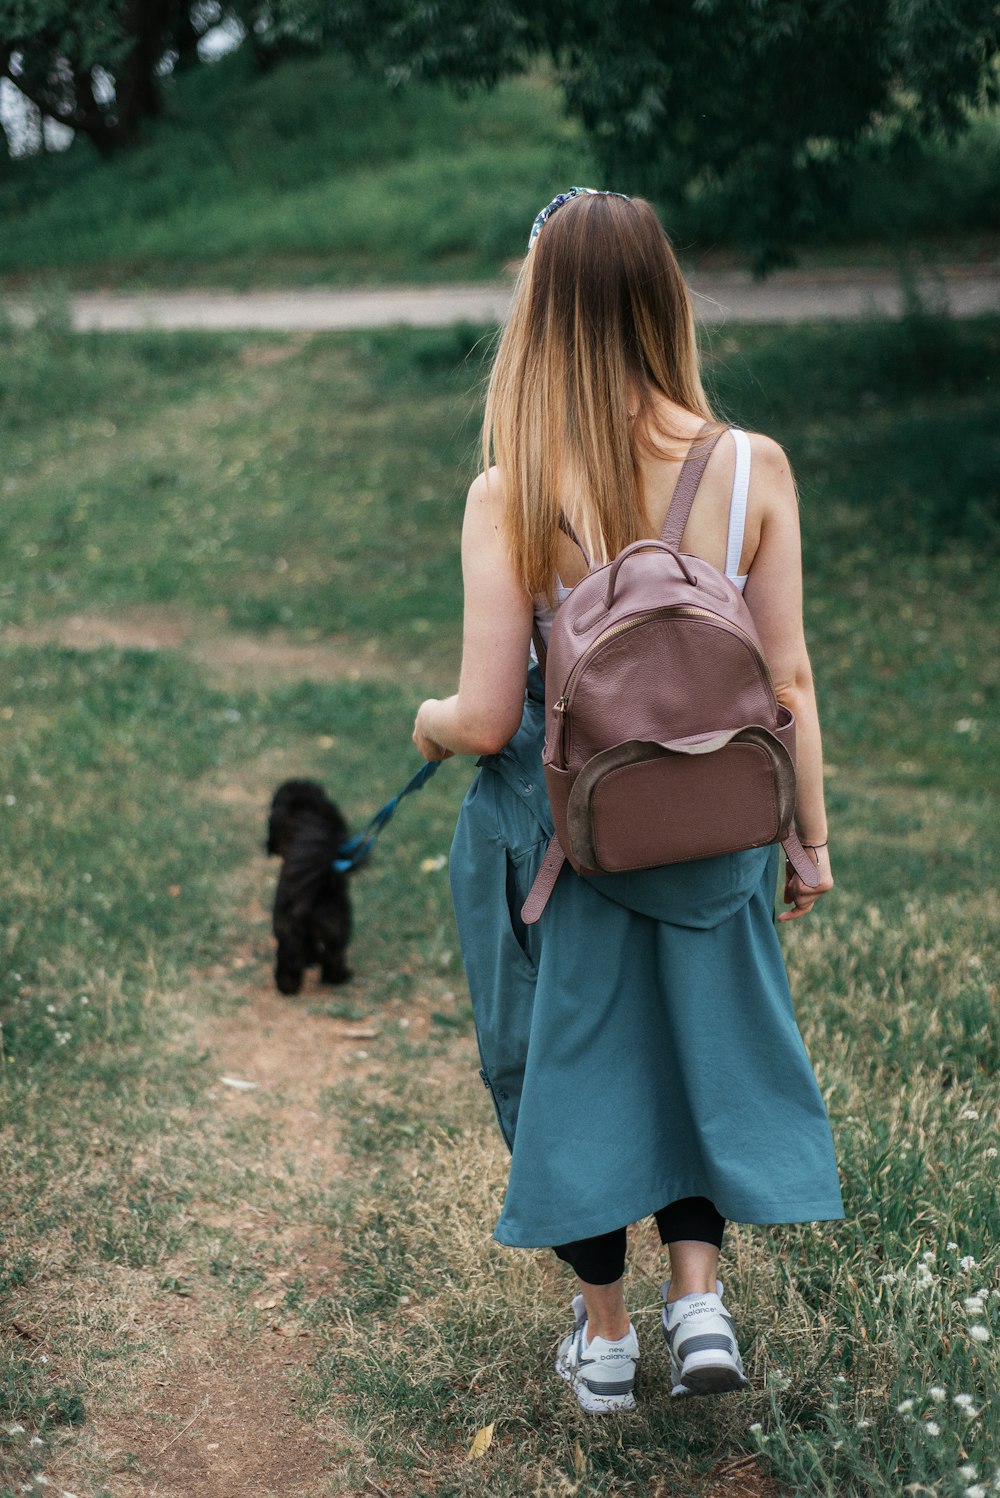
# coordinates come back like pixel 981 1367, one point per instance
pixel 137 92
pixel 184 38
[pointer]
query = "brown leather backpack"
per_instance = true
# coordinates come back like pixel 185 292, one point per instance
pixel 664 740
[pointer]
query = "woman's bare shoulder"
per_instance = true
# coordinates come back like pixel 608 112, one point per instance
pixel 770 471
pixel 767 452
pixel 484 511
pixel 486 494
pixel 487 485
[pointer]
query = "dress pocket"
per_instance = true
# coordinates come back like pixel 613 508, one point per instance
pixel 495 854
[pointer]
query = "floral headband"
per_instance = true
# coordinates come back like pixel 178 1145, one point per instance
pixel 564 197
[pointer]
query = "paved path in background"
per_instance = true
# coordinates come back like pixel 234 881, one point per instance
pixel 790 296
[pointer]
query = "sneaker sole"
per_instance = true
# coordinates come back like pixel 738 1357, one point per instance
pixel 591 1403
pixel 706 1373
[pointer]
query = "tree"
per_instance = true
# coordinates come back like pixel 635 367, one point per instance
pixel 764 103
pixel 769 103
pixel 90 66
pixel 97 65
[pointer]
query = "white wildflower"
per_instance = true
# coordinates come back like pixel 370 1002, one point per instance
pixel 969 1113
pixel 967 1263
pixel 974 1305
pixel 991 1153
pixel 15 1430
pixel 964 1401
pixel 928 1256
pixel 968 1472
pixel 975 1491
pixel 950 1246
pixel 50 1009
pixel 36 1441
pixel 10 800
pixel 932 1427
pixel 938 1394
pixel 979 1333
pixel 63 1037
pixel 905 1407
pixel 85 998
pixel 756 1428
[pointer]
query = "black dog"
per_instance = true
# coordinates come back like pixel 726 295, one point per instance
pixel 312 909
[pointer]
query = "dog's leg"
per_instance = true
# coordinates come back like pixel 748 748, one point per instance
pixel 334 967
pixel 289 967
pixel 334 931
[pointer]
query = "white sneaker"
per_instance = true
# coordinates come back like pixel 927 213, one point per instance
pixel 602 1373
pixel 701 1340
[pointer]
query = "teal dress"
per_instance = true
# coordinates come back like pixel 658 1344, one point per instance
pixel 639 1041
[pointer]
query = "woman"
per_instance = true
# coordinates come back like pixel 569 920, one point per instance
pixel 639 1041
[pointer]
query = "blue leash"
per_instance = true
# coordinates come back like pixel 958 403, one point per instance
pixel 356 849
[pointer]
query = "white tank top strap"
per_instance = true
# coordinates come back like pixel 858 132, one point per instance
pixel 738 503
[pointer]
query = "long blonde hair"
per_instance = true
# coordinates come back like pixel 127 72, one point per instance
pixel 600 326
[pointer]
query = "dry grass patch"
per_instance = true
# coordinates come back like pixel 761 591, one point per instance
pixel 230 658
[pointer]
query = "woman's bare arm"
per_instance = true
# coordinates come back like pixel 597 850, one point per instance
pixel 486 710
pixel 774 597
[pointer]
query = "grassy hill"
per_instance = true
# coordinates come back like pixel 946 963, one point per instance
pixel 306 174
pixel 312 174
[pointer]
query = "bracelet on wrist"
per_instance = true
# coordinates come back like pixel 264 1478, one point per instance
pixel 817 845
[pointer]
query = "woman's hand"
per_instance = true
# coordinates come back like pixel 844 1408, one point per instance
pixel 801 896
pixel 422 737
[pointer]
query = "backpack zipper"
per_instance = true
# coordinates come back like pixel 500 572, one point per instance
pixel 681 610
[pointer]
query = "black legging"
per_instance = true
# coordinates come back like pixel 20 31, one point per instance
pixel 601 1260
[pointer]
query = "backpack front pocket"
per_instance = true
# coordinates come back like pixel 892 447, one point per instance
pixel 639 804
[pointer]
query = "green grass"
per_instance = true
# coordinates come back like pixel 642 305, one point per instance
pixel 308 493
pixel 313 174
pixel 307 174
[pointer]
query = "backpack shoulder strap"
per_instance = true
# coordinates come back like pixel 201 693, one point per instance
pixel 536 635
pixel 686 487
pixel 566 527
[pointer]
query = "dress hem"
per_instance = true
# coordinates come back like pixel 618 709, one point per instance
pixel 770 1215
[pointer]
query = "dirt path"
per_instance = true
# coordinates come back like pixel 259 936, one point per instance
pixel 228 657
pixel 786 297
pixel 211 1407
